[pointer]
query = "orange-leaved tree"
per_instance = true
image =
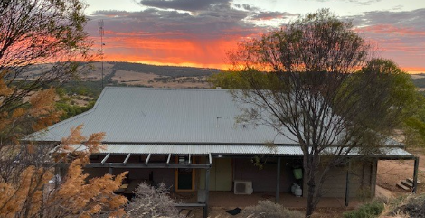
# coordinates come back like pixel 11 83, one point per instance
pixel 33 196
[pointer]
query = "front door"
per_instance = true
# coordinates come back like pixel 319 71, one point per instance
pixel 184 177
pixel 221 174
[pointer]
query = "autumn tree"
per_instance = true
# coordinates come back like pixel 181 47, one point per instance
pixel 313 81
pixel 33 196
pixel 41 42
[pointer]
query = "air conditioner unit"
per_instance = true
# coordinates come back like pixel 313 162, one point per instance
pixel 242 187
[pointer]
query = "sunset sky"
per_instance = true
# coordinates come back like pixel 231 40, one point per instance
pixel 199 32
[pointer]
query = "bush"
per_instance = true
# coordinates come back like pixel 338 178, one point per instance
pixel 368 210
pixel 268 209
pixel 414 207
pixel 151 202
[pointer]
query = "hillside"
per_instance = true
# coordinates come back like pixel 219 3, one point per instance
pixel 144 75
pixel 78 96
pixel 419 80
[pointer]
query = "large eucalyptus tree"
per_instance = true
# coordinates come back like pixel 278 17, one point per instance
pixel 315 79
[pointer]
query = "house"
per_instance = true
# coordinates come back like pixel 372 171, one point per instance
pixel 189 140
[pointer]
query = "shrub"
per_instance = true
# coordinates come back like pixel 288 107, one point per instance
pixel 368 210
pixel 414 206
pixel 268 209
pixel 151 202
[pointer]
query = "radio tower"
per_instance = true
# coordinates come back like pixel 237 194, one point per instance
pixel 101 33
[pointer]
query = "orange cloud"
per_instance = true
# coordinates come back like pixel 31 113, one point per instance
pixel 186 49
pixel 391 29
pixel 180 52
pixel 413 70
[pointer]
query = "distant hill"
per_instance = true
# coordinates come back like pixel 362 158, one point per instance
pixel 418 80
pixel 145 75
pixel 75 97
pixel 171 71
pixel 135 74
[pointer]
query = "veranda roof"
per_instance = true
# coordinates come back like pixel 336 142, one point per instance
pixel 279 150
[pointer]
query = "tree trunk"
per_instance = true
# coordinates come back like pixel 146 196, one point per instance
pixel 311 189
pixel 315 181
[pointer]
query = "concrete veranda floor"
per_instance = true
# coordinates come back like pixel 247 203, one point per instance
pixel 220 202
pixel 229 199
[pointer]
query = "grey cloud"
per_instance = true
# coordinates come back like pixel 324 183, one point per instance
pixel 245 7
pixel 397 7
pixel 185 5
pixel 360 2
pixel 271 15
pixel 219 21
pixel 364 2
pixel 399 35
pixel 407 19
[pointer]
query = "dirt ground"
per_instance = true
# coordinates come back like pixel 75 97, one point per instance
pixel 391 172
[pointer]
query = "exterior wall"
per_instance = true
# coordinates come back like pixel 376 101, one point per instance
pixel 264 180
pixel 361 180
pixel 361 177
pixel 165 176
pixel 226 170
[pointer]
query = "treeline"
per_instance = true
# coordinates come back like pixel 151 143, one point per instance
pixel 171 71
pixel 420 83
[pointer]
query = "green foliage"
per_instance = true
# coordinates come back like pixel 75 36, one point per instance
pixel 402 94
pixel 268 209
pixel 240 79
pixel 383 92
pixel 91 89
pixel 368 210
pixel 226 80
pixel 69 92
pixel 414 131
pixel 70 110
pixel 414 124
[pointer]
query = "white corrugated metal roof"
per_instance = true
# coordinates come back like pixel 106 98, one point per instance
pixel 171 116
pixel 143 115
pixel 225 150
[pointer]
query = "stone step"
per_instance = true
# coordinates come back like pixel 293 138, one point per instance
pixel 402 186
pixel 411 180
pixel 407 184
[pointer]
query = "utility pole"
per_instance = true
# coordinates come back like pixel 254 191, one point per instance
pixel 101 33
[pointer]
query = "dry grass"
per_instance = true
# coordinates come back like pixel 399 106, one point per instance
pixel 96 73
pixel 151 80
